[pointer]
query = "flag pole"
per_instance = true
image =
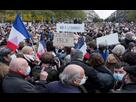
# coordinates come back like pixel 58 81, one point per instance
pixel 35 54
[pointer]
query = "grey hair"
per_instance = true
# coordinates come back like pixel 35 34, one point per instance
pixel 103 44
pixel 76 54
pixel 68 77
pixel 118 50
pixel 67 59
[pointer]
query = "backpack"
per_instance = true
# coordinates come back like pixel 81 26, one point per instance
pixel 106 79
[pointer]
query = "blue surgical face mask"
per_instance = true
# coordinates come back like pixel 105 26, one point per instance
pixel 75 41
pixel 133 37
pixel 13 56
pixel 35 41
pixel 28 71
pixel 118 77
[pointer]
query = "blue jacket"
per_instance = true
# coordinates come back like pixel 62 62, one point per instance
pixel 95 51
pixel 59 87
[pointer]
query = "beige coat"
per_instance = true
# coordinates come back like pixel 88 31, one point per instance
pixel 3 71
pixel 111 61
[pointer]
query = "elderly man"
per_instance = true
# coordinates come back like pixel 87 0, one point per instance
pixel 93 83
pixel 28 55
pixel 71 78
pixel 15 81
pixel 128 38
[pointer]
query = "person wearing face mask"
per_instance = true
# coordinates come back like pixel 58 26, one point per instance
pixel 29 56
pixel 130 48
pixel 119 74
pixel 129 81
pixel 6 55
pixel 75 40
pixel 92 48
pixel 15 81
pixel 70 79
pixel 128 39
pixel 93 83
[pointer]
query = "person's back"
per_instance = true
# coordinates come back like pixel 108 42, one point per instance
pixel 64 88
pixel 92 82
pixel 102 72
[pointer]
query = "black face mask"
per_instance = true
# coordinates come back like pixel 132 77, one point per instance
pixel 88 50
pixel 123 80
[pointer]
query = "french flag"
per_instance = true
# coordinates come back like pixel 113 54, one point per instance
pixel 42 46
pixel 81 45
pixel 17 34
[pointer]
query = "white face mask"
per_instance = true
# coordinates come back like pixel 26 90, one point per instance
pixel 13 56
pixel 83 80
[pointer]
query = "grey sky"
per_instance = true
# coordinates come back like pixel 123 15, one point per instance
pixel 104 13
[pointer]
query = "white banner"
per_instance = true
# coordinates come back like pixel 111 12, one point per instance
pixel 109 39
pixel 70 27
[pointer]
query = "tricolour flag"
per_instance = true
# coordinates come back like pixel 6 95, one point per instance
pixel 81 45
pixel 17 34
pixel 42 46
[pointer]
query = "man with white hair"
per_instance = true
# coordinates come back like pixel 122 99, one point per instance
pixel 70 79
pixel 93 83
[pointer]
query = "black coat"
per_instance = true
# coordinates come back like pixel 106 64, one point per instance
pixel 92 83
pixel 125 43
pixel 16 83
pixel 127 88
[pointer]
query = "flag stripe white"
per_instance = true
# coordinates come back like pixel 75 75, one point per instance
pixel 14 33
pixel 40 49
pixel 83 49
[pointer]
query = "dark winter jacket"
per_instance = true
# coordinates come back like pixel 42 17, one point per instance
pixel 4 68
pixel 59 87
pixel 92 83
pixel 126 88
pixel 105 76
pixel 125 43
pixel 15 82
pixel 51 73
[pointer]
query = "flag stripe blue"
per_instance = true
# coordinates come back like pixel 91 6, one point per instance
pixel 19 26
pixel 42 41
pixel 79 44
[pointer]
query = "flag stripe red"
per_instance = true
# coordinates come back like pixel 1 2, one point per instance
pixel 12 46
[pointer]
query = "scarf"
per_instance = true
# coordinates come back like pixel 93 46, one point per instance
pixel 29 57
pixel 104 54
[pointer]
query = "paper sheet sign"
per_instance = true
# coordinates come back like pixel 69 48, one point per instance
pixel 65 39
pixel 109 39
pixel 70 27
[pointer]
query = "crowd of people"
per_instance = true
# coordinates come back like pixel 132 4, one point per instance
pixel 63 69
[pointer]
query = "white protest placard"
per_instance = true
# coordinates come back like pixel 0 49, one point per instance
pixel 29 23
pixel 70 27
pixel 109 39
pixel 65 39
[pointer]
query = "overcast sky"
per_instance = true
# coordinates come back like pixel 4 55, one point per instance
pixel 104 13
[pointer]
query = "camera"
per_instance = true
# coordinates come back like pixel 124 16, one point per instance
pixel 32 80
